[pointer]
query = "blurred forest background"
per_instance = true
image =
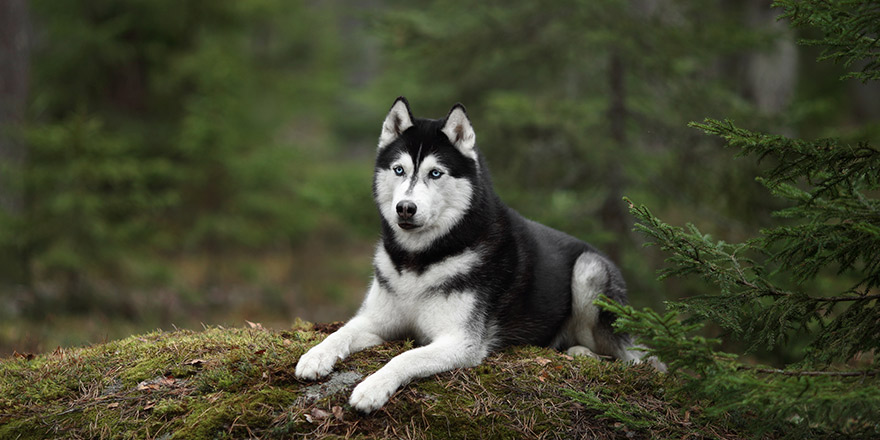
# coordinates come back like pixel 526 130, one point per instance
pixel 186 162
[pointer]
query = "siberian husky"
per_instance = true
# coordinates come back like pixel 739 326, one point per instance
pixel 460 272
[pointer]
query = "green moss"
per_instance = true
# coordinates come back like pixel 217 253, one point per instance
pixel 210 418
pixel 24 429
pixel 168 408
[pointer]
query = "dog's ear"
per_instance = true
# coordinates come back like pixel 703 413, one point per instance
pixel 398 120
pixel 460 132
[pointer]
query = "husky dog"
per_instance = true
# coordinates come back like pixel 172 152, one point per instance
pixel 460 272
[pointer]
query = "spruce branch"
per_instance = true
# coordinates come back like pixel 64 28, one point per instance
pixel 754 308
pixel 825 163
pixel 842 223
pixel 847 298
pixel 670 339
pixel 849 31
pixel 866 373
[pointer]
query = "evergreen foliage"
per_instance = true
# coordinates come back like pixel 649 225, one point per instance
pixel 839 229
pixel 789 403
pixel 767 291
pixel 88 194
pixel 849 29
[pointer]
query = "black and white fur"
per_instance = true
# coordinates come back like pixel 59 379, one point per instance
pixel 459 271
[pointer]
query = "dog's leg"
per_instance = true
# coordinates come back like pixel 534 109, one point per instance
pixel 589 330
pixel 444 354
pixel 359 333
pixel 368 328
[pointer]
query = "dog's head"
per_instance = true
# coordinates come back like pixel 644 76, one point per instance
pixel 425 174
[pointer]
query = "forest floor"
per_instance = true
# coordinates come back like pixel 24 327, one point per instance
pixel 239 383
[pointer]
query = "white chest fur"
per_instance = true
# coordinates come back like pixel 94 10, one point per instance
pixel 415 303
pixel 407 283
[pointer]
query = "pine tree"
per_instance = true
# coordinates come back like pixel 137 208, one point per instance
pixel 814 277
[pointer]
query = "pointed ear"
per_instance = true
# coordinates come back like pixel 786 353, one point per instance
pixel 460 132
pixel 398 120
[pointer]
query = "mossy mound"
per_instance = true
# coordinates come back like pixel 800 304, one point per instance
pixel 239 383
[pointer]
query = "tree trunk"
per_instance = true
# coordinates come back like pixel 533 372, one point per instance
pixel 15 50
pixel 771 74
pixel 14 70
pixel 614 217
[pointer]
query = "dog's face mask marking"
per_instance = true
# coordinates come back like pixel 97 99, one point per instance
pixel 422 201
pixel 420 192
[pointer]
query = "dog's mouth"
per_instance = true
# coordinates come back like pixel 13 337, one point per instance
pixel 408 226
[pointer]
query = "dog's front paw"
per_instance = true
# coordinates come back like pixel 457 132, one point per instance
pixel 315 364
pixel 372 393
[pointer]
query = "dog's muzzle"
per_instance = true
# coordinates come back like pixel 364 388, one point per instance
pixel 406 210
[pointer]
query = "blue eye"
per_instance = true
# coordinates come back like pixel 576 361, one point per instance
pixel 398 170
pixel 435 174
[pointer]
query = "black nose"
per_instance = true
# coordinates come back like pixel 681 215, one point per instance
pixel 406 210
